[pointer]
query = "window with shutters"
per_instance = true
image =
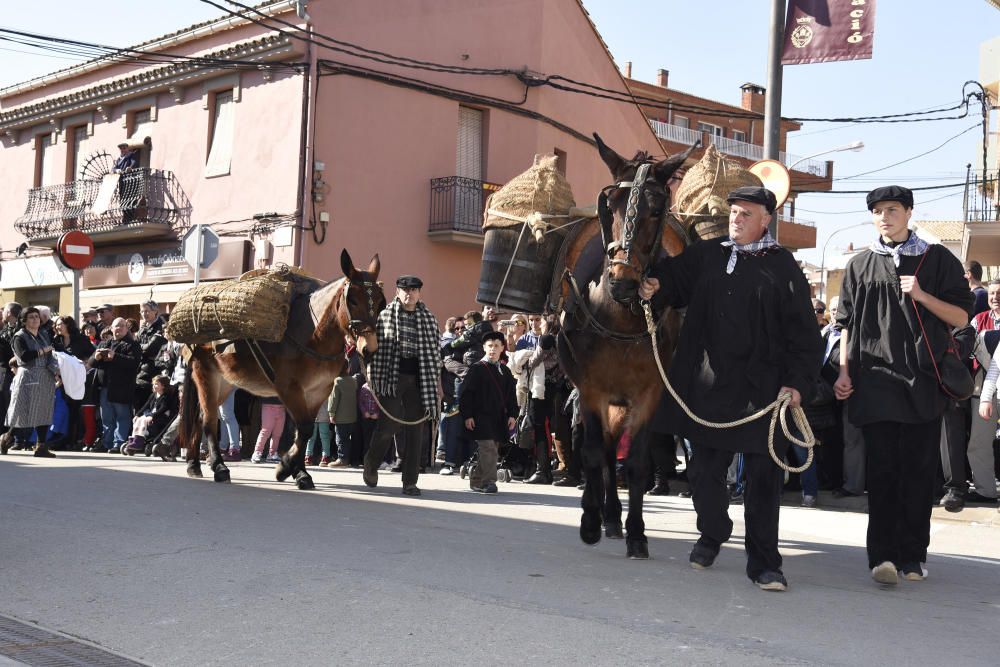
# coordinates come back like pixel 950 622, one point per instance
pixel 713 130
pixel 682 121
pixel 221 122
pixel 43 160
pixel 74 152
pixel 469 167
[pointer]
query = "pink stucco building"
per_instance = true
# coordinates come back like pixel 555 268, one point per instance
pixel 375 126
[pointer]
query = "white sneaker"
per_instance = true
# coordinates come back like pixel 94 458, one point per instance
pixel 258 457
pixel 910 572
pixel 446 470
pixel 885 573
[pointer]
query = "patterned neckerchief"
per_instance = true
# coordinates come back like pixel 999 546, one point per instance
pixel 762 246
pixel 913 246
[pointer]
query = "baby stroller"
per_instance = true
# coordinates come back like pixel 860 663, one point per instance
pixel 513 462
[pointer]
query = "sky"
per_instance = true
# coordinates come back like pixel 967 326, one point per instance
pixel 924 51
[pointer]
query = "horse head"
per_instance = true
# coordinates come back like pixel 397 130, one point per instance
pixel 361 302
pixel 632 213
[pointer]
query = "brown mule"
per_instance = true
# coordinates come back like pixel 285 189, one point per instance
pixel 299 370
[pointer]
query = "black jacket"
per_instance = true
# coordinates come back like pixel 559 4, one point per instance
pixel 117 375
pixel 162 409
pixel 488 396
pixel 151 340
pixel 79 346
pixel 745 335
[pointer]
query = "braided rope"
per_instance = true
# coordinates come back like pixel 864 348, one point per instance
pixel 778 410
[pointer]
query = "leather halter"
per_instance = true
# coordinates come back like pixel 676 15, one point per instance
pixel 356 327
pixel 630 222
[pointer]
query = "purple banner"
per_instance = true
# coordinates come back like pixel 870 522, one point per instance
pixel 821 31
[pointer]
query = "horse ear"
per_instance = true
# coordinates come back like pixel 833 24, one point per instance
pixel 346 264
pixel 611 158
pixel 665 168
pixel 374 266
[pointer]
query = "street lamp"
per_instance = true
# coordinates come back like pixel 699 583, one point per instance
pixel 853 146
pixel 822 261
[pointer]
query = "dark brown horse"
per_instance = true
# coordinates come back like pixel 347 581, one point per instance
pixel 604 346
pixel 299 370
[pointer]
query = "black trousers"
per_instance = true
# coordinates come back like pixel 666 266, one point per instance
pixel 955 443
pixel 902 465
pixel 761 500
pixel 407 404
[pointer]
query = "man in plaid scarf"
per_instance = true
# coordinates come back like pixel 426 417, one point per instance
pixel 405 376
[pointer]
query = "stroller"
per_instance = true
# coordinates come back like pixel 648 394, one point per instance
pixel 513 463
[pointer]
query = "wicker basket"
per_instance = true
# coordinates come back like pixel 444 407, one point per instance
pixel 542 188
pixel 701 196
pixel 253 306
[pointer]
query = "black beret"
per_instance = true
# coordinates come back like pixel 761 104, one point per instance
pixel 409 282
pixel 754 194
pixel 891 193
pixel 494 335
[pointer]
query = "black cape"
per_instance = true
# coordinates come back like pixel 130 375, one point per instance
pixel 745 335
pixel 890 366
pixel 488 396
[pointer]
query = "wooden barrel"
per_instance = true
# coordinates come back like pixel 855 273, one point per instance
pixel 528 273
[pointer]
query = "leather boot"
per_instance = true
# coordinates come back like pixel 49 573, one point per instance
pixel 43 451
pixel 6 440
pixel 562 455
pixel 543 471
pixel 661 486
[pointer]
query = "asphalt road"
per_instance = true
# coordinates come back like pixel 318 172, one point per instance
pixel 133 556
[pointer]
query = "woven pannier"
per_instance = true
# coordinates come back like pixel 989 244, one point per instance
pixel 253 306
pixel 517 269
pixel 701 195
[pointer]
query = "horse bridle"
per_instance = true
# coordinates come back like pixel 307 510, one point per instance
pixel 637 187
pixel 357 327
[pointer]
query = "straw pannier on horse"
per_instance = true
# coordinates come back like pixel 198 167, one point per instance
pixel 522 226
pixel 701 196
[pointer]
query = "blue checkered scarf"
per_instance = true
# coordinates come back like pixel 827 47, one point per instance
pixel 914 246
pixel 764 243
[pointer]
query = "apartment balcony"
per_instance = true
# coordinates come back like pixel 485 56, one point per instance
pixel 457 205
pixel 796 233
pixel 736 148
pixel 139 203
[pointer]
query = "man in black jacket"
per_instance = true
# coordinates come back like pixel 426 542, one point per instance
pixel 151 340
pixel 749 335
pixel 116 361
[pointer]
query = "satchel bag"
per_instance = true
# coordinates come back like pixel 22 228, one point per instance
pixel 953 376
pixel 525 435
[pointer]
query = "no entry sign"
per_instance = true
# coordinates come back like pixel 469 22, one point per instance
pixel 75 249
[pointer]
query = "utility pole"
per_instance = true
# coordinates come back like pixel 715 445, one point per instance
pixel 772 101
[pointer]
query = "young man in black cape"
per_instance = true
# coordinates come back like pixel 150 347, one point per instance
pixel 749 335
pixel 892 293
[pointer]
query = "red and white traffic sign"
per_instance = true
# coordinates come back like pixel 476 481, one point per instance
pixel 75 250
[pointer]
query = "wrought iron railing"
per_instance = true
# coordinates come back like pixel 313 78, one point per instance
pixel 138 196
pixel 457 204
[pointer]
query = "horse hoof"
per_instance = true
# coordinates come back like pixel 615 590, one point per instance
pixel 304 482
pixel 282 472
pixel 194 472
pixel 637 549
pixel 590 529
pixel 222 475
pixel 613 531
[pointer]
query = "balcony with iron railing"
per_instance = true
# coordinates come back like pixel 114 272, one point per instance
pixel 735 147
pixel 457 205
pixel 147 203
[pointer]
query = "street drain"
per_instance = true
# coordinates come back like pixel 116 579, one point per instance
pixel 31 645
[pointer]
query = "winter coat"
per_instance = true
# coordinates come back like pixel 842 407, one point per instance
pixel 34 388
pixel 343 404
pixel 117 375
pixel 488 397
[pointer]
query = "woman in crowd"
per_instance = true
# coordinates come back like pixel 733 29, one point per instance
pixel 90 331
pixel 70 340
pixel 34 387
pixel 516 330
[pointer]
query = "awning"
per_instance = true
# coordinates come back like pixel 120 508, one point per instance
pixel 133 295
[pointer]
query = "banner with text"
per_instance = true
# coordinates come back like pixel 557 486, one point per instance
pixel 821 31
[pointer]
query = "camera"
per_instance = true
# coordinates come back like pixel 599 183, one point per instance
pixel 507 323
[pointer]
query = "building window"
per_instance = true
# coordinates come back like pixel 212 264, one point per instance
pixel 74 152
pixel 713 130
pixel 469 164
pixel 682 121
pixel 139 125
pixel 220 140
pixel 43 159
pixel 740 135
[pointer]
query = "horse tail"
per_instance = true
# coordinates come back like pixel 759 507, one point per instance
pixel 190 431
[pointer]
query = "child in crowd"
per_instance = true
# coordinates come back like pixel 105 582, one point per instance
pixel 369 416
pixel 320 435
pixel 154 416
pixel 488 406
pixel 343 410
pixel 272 424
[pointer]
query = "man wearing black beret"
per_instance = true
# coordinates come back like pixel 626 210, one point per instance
pixel 892 293
pixel 405 376
pixel 749 335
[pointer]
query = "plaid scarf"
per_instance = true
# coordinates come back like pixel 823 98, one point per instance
pixel 760 247
pixel 384 373
pixel 913 246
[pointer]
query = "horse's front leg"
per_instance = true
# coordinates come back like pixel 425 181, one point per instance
pixel 637 470
pixel 592 454
pixel 293 463
pixel 210 432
